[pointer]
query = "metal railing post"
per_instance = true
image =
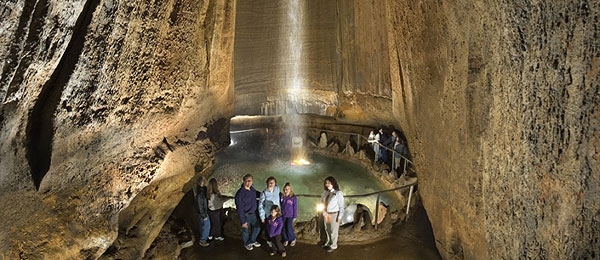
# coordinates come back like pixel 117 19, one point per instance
pixel 393 160
pixel 377 210
pixel 409 197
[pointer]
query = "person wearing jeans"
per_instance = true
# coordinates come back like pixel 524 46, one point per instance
pixel 202 210
pixel 289 211
pixel 245 202
pixel 269 197
pixel 215 210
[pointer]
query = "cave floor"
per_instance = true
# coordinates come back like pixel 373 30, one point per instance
pixel 409 240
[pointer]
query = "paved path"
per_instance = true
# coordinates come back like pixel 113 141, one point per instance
pixel 411 240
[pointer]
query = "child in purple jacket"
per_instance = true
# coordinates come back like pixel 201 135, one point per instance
pixel 289 212
pixel 274 227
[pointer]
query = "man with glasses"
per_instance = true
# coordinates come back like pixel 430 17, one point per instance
pixel 245 202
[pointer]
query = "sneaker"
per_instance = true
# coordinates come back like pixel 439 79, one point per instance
pixel 330 250
pixel 256 244
pixel 187 244
pixel 203 243
pixel 272 253
pixel 219 238
pixel 269 243
pixel 283 254
pixel 293 243
pixel 210 237
pixel 285 243
pixel 249 247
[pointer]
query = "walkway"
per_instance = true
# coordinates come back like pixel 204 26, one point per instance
pixel 409 240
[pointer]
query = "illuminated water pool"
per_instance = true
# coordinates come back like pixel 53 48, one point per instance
pixel 236 161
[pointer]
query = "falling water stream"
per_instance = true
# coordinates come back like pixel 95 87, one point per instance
pixel 251 153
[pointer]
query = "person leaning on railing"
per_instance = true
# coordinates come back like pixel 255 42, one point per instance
pixel 400 152
pixel 374 139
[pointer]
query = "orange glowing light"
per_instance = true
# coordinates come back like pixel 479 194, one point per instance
pixel 300 161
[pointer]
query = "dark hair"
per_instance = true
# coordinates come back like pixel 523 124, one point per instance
pixel 333 183
pixel 213 187
pixel 271 178
pixel 247 176
pixel 277 209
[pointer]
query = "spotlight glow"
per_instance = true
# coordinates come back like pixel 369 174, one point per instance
pixel 320 207
pixel 300 162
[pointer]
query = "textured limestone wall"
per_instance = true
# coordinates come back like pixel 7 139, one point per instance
pixel 107 109
pixel 339 54
pixel 501 104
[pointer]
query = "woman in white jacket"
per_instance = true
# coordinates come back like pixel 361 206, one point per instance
pixel 333 198
pixel 215 210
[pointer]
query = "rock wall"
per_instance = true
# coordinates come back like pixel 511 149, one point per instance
pixel 500 102
pixel 107 109
pixel 332 50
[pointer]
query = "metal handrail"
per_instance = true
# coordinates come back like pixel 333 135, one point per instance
pixel 378 198
pixel 406 160
pixel 360 195
pixel 411 186
pixel 366 194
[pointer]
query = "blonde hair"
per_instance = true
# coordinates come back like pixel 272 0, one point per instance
pixel 287 184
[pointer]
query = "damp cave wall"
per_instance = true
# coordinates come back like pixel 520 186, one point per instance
pixel 498 101
pixel 326 58
pixel 107 109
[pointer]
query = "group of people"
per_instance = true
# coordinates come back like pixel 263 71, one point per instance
pixel 382 142
pixel 276 211
pixel 209 207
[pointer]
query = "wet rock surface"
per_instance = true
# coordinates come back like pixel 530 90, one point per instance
pixel 500 107
pixel 109 108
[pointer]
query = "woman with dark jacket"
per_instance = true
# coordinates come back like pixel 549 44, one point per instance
pixel 202 210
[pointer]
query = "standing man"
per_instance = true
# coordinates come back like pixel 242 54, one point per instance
pixel 245 202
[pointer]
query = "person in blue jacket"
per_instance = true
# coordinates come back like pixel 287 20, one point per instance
pixel 269 197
